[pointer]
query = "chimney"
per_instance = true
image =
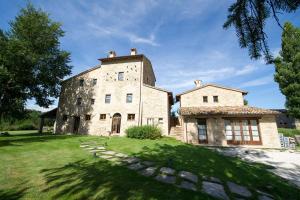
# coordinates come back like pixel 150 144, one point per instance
pixel 198 83
pixel 133 51
pixel 112 54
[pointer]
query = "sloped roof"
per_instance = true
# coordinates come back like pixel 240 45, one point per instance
pixel 213 85
pixel 81 73
pixel 225 110
pixel 121 58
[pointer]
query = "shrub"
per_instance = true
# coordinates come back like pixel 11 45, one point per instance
pixel 143 132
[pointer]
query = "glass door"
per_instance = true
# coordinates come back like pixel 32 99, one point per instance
pixel 202 131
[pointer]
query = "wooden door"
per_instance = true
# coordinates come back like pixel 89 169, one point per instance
pixel 116 123
pixel 76 124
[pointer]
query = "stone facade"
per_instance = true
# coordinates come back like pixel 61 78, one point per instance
pixel 148 105
pixel 283 120
pixel 214 124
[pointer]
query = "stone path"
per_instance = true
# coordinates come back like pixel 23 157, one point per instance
pixel 183 179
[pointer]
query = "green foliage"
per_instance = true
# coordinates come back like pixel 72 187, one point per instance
pixel 249 19
pixel 246 103
pixel 288 132
pixel 287 69
pixel 143 132
pixel 31 61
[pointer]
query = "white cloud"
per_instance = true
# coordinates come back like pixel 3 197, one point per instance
pixel 258 82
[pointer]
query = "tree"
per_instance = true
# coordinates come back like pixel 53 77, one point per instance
pixel 32 65
pixel 287 68
pixel 249 19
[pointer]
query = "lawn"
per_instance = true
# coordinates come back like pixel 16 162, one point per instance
pixel 46 166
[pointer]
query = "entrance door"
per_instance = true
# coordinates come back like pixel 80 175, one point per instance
pixel 116 123
pixel 202 131
pixel 76 124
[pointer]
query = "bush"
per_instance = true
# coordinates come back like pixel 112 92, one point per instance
pixel 143 132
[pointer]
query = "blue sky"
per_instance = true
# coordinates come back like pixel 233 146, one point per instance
pixel 183 39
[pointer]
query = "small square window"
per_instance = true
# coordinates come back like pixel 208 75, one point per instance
pixel 65 118
pixel 107 98
pixel 129 98
pixel 92 101
pixel 205 99
pixel 102 116
pixel 160 120
pixel 121 76
pixel 130 116
pixel 79 101
pixel 87 117
pixel 216 99
pixel 94 81
pixel 81 82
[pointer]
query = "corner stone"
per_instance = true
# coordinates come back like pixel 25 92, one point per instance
pixel 238 189
pixel 214 189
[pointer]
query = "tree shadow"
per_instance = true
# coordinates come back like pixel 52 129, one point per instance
pixel 12 194
pixel 103 180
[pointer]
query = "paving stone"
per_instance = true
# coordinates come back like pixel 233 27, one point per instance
pixel 100 147
pixel 136 166
pixel 188 185
pixel 188 176
pixel 149 171
pixel 96 150
pixel 148 163
pixel 238 189
pixel 166 178
pixel 109 152
pixel 214 189
pixel 90 148
pixel 131 160
pixel 167 170
pixel 212 179
pixel 84 145
pixel 106 157
pixel 121 155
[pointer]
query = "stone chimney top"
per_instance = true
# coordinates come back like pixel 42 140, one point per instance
pixel 198 83
pixel 133 51
pixel 112 54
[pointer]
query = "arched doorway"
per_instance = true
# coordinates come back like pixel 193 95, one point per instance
pixel 116 123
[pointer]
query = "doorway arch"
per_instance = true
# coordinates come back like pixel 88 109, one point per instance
pixel 116 123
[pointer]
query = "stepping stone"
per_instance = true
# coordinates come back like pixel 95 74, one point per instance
pixel 106 157
pixel 121 155
pixel 131 160
pixel 167 170
pixel 166 178
pixel 90 148
pixel 264 197
pixel 188 185
pixel 238 189
pixel 214 189
pixel 100 147
pixel 95 150
pixel 148 163
pixel 188 176
pixel 83 146
pixel 109 152
pixel 212 179
pixel 149 171
pixel 136 166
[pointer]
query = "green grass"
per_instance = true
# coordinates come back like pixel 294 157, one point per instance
pixel 288 132
pixel 46 166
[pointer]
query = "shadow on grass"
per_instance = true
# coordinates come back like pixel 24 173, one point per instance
pixel 18 139
pixel 102 180
pixel 12 194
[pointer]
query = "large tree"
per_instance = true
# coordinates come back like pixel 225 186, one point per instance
pixel 287 67
pixel 249 19
pixel 31 61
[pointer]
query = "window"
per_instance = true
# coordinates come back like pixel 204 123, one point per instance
pixel 129 98
pixel 94 81
pixel 150 121
pixel 121 76
pixel 242 131
pixel 79 101
pixel 160 120
pixel 65 118
pixel 87 117
pixel 216 99
pixel 92 101
pixel 107 98
pixel 202 130
pixel 205 99
pixel 102 116
pixel 81 82
pixel 130 116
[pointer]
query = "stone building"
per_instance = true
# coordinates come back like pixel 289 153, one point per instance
pixel 284 120
pixel 118 93
pixel 215 115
